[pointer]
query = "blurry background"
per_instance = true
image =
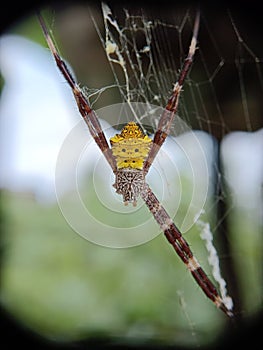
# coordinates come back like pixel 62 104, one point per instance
pixel 66 289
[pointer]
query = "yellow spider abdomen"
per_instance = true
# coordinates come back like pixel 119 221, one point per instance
pixel 131 147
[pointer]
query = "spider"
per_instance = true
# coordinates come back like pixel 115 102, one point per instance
pixel 131 155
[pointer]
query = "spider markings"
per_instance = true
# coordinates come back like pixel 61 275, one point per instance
pixel 131 147
pixel 130 176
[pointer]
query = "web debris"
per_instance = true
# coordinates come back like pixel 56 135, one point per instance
pixel 138 52
pixel 213 260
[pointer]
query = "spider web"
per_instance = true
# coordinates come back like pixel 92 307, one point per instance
pixel 134 57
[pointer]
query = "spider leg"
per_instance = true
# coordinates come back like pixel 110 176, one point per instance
pixel 168 114
pixel 85 110
pixel 182 248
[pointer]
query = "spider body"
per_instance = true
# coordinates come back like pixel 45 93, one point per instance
pixel 131 155
pixel 130 148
